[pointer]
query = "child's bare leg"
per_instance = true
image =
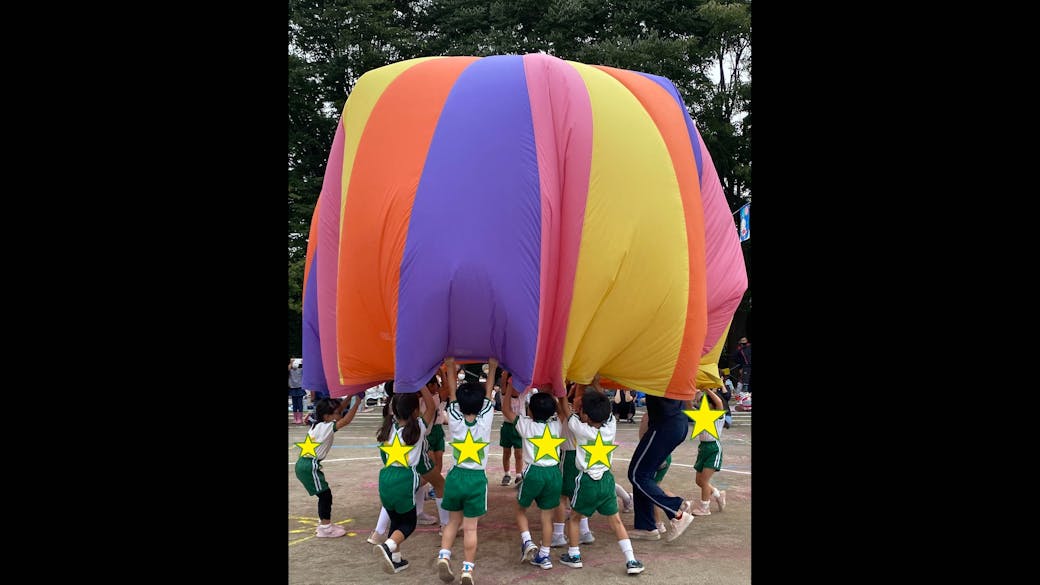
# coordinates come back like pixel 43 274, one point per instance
pixel 617 526
pixel 448 536
pixel 547 527
pixel 521 518
pixel 572 528
pixel 469 537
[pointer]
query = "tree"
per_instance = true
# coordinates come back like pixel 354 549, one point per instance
pixel 332 43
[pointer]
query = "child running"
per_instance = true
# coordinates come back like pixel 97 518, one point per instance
pixel 709 460
pixel 508 438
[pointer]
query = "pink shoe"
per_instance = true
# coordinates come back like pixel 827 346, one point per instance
pixel 330 531
pixel 699 510
pixel 721 500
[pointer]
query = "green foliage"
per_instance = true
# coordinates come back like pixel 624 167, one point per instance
pixel 703 47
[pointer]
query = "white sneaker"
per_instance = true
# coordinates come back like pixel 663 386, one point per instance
pixel 721 500
pixel 558 540
pixel 376 538
pixel 425 519
pixel 637 534
pixel 444 570
pixel 679 526
pixel 587 538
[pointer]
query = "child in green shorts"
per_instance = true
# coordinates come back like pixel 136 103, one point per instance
pixel 570 475
pixel 709 460
pixel 594 432
pixel 403 436
pixel 541 433
pixel 328 412
pixel 508 438
pixel 470 416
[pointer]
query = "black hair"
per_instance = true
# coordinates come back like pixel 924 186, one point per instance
pixel 402 407
pixel 389 388
pixel 433 381
pixel 323 407
pixel 542 407
pixel 406 408
pixel 470 397
pixel 595 405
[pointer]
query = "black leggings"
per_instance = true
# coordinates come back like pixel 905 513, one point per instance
pixel 325 504
pixel 403 522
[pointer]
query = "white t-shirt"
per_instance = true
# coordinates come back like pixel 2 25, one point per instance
pixel 322 433
pixel 420 446
pixel 706 436
pixel 528 429
pixel 480 429
pixel 586 435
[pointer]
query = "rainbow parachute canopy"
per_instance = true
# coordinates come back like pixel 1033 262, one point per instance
pixel 562 217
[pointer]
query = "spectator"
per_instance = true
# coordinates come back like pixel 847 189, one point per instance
pixel 744 363
pixel 296 391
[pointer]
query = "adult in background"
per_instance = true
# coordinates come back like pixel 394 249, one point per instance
pixel 744 363
pixel 296 391
pixel 667 427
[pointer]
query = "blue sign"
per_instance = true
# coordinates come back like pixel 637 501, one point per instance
pixel 745 222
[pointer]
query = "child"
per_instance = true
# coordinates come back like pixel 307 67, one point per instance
pixel 709 460
pixel 542 478
pixel 470 416
pixel 594 488
pixel 570 475
pixel 397 482
pixel 308 469
pixel 430 464
pixel 508 438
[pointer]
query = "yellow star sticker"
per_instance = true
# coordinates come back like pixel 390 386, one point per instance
pixel 598 451
pixel 396 451
pixel 307 446
pixel 546 444
pixel 469 449
pixel 704 417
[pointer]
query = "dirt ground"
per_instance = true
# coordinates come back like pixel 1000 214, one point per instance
pixel 714 550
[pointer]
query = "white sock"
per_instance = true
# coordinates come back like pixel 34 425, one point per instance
pixel 444 554
pixel 395 557
pixel 573 551
pixel 390 544
pixel 557 528
pixel 626 547
pixel 525 536
pixel 445 516
pixel 621 493
pixel 467 567
pixel 384 521
pixel 715 491
pixel 543 551
pixel 704 505
pixel 419 498
pixel 584 525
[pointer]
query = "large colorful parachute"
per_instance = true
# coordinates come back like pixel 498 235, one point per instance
pixel 562 217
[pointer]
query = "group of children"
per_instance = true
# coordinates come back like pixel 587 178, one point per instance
pixel 551 473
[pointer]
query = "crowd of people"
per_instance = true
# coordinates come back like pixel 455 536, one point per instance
pixel 560 451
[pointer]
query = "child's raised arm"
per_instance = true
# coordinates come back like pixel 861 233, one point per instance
pixel 489 382
pixel 451 377
pixel 507 401
pixel 563 407
pixel 431 407
pixel 350 415
pixel 714 398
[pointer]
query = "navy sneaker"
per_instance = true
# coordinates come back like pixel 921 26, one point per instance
pixel 573 562
pixel 634 567
pixel 527 550
pixel 543 562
